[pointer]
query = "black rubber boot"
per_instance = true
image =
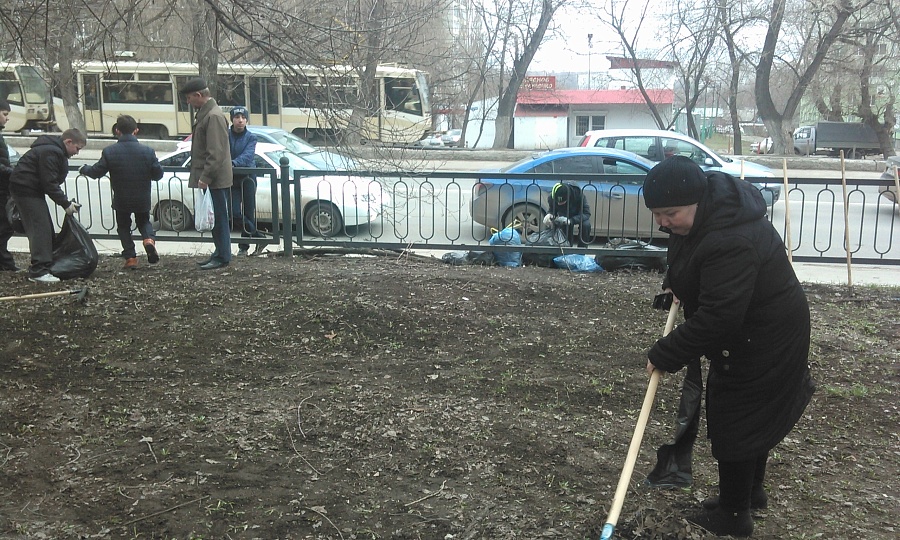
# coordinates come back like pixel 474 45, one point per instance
pixel 759 500
pixel 723 523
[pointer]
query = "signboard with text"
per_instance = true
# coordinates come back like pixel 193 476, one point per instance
pixel 539 82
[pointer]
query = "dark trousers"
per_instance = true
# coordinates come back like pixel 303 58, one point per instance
pixel 737 479
pixel 40 231
pixel 221 232
pixel 243 209
pixel 579 234
pixel 123 228
pixel 7 262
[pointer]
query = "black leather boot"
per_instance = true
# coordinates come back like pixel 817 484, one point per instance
pixel 724 523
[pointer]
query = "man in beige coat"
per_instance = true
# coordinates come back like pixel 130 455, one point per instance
pixel 211 165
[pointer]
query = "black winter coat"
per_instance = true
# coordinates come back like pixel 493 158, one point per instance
pixel 747 313
pixel 5 168
pixel 41 170
pixel 131 167
pixel 577 209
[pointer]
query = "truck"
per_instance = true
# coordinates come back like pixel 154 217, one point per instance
pixel 854 138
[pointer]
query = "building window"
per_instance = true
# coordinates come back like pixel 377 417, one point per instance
pixel 585 123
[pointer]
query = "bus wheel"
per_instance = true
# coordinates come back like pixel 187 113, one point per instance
pixel 174 216
pixel 162 133
pixel 323 219
pixel 25 132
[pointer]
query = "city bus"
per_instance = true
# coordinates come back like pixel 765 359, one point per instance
pixel 28 95
pixel 317 107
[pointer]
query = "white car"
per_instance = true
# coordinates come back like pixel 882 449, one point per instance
pixel 656 145
pixel 330 203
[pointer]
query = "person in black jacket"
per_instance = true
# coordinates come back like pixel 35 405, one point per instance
pixel 746 312
pixel 131 167
pixel 570 211
pixel 7 262
pixel 39 173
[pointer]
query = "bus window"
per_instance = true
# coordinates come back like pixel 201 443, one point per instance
pixel 263 95
pixel 401 95
pixel 34 86
pixel 91 96
pixel 296 96
pixel 231 91
pixel 9 88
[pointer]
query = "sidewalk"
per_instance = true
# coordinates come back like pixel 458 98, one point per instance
pixel 833 274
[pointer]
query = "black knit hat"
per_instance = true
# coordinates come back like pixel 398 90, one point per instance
pixel 240 110
pixel 194 85
pixel 674 181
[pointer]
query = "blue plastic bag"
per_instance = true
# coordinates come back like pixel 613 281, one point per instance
pixel 507 237
pixel 577 263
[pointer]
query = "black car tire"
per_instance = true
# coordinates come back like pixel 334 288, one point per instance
pixel 530 215
pixel 322 218
pixel 174 216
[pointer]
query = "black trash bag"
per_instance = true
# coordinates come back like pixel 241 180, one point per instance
pixel 74 253
pixel 630 262
pixel 456 258
pixel 14 216
pixel 485 258
pixel 673 460
pixel 553 237
pixel 460 258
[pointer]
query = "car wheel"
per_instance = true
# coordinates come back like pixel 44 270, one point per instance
pixel 174 216
pixel 321 218
pixel 529 215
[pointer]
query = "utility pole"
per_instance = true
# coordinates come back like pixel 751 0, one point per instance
pixel 590 46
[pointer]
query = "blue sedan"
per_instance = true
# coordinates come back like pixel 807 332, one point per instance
pixel 610 179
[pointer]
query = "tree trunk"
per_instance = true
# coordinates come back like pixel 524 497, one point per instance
pixel 204 22
pixel 506 107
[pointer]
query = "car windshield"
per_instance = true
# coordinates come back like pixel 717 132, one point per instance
pixel 292 142
pixel 295 161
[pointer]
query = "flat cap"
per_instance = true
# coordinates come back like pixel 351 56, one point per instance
pixel 194 85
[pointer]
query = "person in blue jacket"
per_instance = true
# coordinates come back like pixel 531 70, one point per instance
pixel 746 313
pixel 132 167
pixel 243 193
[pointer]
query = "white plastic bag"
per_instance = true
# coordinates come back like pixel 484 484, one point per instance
pixel 204 214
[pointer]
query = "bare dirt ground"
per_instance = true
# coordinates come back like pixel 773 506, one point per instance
pixel 385 397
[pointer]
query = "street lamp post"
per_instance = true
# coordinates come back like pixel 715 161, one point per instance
pixel 590 46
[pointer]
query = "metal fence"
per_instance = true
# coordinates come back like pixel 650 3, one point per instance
pixel 447 211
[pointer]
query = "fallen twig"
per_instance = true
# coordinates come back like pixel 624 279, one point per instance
pixel 294 446
pixel 154 514
pixel 326 519
pixel 430 495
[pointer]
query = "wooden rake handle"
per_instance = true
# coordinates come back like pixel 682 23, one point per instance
pixel 625 478
pixel 79 292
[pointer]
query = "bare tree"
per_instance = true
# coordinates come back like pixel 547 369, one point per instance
pixel 522 25
pixel 857 78
pixel 628 20
pixel 818 38
pixel 735 17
